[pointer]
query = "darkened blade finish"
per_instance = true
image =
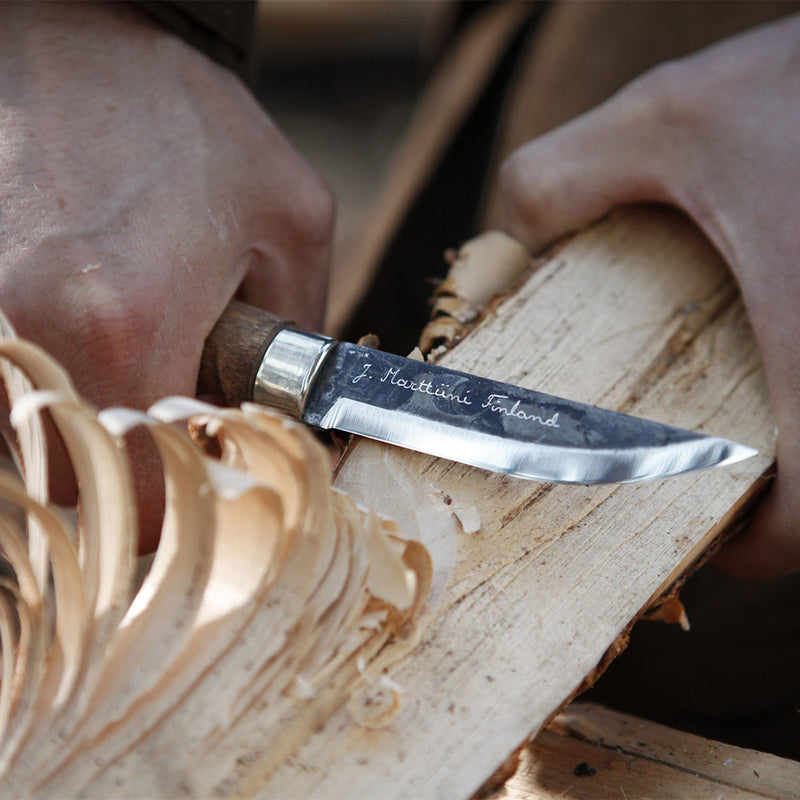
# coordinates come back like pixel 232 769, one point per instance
pixel 497 426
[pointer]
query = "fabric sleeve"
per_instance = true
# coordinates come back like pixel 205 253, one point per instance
pixel 222 29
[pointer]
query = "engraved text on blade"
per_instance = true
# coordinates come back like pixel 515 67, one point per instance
pixel 499 404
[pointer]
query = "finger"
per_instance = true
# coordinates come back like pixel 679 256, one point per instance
pixel 770 545
pixel 576 174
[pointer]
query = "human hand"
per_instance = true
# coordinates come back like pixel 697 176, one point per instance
pixel 716 134
pixel 142 187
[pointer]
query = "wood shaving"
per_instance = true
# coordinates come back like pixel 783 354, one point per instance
pixel 464 295
pixel 374 704
pixel 183 676
pixel 671 611
pixel 469 518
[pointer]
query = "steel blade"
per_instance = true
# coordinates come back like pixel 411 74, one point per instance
pixel 497 426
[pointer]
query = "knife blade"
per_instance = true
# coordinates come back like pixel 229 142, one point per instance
pixel 252 355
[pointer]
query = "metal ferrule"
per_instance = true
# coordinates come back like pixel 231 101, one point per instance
pixel 288 369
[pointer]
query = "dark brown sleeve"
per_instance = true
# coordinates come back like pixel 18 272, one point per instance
pixel 222 29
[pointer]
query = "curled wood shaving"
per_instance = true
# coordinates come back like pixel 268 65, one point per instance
pixel 266 584
pixel 469 518
pixel 464 295
pixel 671 611
pixel 375 703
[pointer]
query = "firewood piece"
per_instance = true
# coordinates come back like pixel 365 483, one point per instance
pixel 638 314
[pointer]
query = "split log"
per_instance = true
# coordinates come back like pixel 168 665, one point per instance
pixel 536 586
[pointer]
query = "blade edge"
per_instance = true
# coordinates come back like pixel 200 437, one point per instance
pixel 533 461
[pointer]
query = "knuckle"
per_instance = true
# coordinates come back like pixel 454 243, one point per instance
pixel 90 314
pixel 517 189
pixel 670 95
pixel 513 188
pixel 111 333
pixel 313 210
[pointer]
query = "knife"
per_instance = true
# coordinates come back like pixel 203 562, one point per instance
pixel 252 355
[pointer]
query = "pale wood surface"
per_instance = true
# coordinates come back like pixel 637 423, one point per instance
pixel 633 759
pixel 637 314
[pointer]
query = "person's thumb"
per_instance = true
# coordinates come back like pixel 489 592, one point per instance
pixel 577 173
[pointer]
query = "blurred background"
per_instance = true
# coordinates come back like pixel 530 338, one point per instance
pixel 395 103
pixel 341 80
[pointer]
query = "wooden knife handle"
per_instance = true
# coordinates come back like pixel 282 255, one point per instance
pixel 233 352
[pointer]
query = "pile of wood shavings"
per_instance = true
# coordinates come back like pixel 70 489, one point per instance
pixel 269 596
